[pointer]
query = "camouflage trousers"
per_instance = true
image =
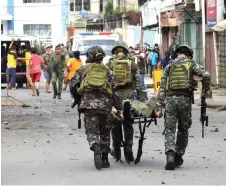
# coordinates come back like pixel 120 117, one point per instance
pixel 98 129
pixel 57 78
pixel 177 109
pixel 127 126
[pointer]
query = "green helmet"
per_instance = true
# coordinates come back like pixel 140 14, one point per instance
pixel 184 49
pixel 95 53
pixel 121 45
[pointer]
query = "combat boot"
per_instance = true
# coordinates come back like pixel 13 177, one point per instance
pixel 97 156
pixel 170 165
pixel 54 96
pixel 178 160
pixel 129 152
pixel 105 161
pixel 59 95
pixel 113 153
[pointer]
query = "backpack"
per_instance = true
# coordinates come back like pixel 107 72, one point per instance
pixel 95 78
pixel 180 74
pixel 121 68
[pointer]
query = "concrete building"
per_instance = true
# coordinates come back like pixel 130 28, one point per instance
pixel 216 41
pixel 46 19
pixel 6 17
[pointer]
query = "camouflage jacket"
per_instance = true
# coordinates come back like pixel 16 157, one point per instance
pixel 48 59
pixel 98 101
pixel 197 70
pixel 59 63
pixel 66 54
pixel 127 92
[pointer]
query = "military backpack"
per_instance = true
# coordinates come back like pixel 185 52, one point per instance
pixel 122 70
pixel 180 74
pixel 95 78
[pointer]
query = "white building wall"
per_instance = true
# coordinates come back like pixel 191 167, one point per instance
pixel 3 4
pixel 95 6
pixel 220 10
pixel 39 13
pixel 5 27
pixel 3 10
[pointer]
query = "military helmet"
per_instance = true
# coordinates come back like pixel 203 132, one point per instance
pixel 184 49
pixel 120 46
pixel 95 53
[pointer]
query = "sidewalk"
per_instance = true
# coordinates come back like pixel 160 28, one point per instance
pixel 218 100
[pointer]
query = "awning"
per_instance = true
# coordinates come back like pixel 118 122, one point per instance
pixel 170 19
pixel 6 17
pixel 149 27
pixel 220 26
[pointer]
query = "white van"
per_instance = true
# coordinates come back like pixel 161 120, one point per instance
pixel 85 40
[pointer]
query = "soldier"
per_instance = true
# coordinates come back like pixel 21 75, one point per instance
pixel 98 91
pixel 121 64
pixel 177 88
pixel 48 59
pixel 67 58
pixel 59 64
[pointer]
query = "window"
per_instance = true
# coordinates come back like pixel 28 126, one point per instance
pixel 37 30
pixel 76 5
pixel 37 1
pixel 107 45
pixel 101 5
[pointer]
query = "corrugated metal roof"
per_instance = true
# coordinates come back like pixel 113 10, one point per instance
pixel 220 26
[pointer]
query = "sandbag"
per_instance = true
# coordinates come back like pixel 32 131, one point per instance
pixel 142 109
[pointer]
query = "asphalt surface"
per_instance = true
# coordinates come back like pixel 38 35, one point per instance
pixel 42 145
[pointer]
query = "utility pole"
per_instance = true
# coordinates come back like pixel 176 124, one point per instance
pixel 82 4
pixel 160 29
pixel 203 33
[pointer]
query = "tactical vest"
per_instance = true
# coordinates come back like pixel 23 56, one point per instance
pixel 121 68
pixel 180 74
pixel 95 78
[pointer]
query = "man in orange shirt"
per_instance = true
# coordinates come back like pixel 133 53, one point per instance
pixel 72 66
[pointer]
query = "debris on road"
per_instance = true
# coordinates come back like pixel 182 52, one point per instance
pixel 215 130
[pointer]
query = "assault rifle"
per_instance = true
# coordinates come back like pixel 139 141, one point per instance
pixel 204 118
pixel 77 98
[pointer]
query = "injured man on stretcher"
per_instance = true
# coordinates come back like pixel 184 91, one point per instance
pixel 137 108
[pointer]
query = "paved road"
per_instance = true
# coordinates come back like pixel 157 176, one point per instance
pixel 42 145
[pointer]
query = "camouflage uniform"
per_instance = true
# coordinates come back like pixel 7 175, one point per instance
pixel 67 58
pixel 178 107
pixel 48 59
pixel 97 107
pixel 126 92
pixel 59 65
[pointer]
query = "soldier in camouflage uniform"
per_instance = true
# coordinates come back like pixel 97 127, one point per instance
pixel 98 91
pixel 67 58
pixel 125 91
pixel 176 90
pixel 59 64
pixel 48 59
